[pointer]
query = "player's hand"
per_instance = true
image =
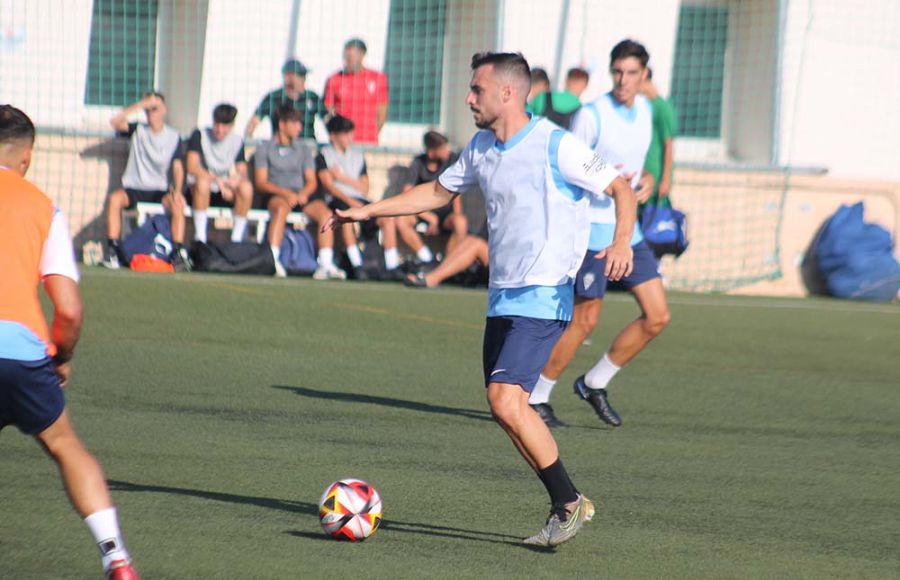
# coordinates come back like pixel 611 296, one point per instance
pixel 665 185
pixel 63 371
pixel 302 198
pixel 644 189
pixel 619 260
pixel 225 190
pixel 339 217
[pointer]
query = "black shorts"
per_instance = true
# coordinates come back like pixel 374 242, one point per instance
pixel 31 396
pixel 136 196
pixel 337 204
pixel 261 201
pixel 442 215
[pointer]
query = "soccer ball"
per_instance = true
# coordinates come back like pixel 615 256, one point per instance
pixel 350 509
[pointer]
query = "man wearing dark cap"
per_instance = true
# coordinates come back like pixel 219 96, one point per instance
pixel 358 93
pixel 293 93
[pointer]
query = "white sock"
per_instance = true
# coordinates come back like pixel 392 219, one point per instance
pixel 391 258
pixel 541 392
pixel 355 256
pixel 200 221
pixel 104 526
pixel 240 226
pixel 276 252
pixel 326 257
pixel 424 254
pixel 601 373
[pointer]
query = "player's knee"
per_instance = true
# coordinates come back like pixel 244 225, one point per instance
pixel 278 209
pixel 586 322
pixel 504 406
pixel 117 200
pixel 655 324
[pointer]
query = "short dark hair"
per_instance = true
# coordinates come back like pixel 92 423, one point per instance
pixel 339 124
pixel 355 43
pixel 628 48
pixel 224 113
pixel 539 75
pixel 288 113
pixel 578 73
pixel 434 139
pixel 157 94
pixel 506 62
pixel 15 126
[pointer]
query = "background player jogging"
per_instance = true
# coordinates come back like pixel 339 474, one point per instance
pixel 535 178
pixel 618 126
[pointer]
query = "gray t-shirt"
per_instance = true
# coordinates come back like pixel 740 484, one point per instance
pixel 352 163
pixel 150 158
pixel 286 163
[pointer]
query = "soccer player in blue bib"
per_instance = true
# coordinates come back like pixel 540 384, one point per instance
pixel 537 180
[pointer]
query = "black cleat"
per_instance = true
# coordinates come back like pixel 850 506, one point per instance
pixel 546 413
pixel 599 401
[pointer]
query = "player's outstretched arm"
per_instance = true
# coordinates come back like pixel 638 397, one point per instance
pixel 424 197
pixel 619 255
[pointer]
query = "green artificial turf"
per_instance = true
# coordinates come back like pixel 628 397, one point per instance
pixel 761 438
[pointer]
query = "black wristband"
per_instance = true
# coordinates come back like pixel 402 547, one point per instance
pixel 59 359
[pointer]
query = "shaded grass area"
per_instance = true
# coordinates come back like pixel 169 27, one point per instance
pixel 761 438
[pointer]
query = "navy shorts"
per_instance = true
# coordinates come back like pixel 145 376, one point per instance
pixel 592 283
pixel 144 196
pixel 516 348
pixel 31 397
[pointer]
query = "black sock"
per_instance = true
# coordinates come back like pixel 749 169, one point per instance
pixel 558 485
pixel 114 249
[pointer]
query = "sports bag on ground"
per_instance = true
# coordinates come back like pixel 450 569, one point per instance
pixel 154 238
pixel 298 253
pixel 233 258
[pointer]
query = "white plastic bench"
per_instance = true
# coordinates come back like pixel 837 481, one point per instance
pixel 258 217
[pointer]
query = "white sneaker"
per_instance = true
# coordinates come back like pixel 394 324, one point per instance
pixel 329 272
pixel 112 262
pixel 280 272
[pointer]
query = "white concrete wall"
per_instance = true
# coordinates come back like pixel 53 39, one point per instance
pixel 593 28
pixel 44 49
pixel 841 87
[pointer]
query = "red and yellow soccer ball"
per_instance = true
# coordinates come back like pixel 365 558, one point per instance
pixel 350 509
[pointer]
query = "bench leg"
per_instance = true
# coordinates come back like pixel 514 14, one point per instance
pixel 261 231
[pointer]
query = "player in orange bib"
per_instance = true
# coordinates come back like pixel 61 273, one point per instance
pixel 34 359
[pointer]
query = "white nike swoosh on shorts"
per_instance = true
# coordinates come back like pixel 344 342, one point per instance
pixel 497 371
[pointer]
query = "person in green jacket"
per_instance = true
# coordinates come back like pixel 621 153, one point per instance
pixel 660 155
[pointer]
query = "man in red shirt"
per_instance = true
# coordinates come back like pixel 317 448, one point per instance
pixel 358 93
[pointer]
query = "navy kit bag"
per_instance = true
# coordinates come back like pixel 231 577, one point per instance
pixel 153 238
pixel 849 258
pixel 664 228
pixel 298 253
